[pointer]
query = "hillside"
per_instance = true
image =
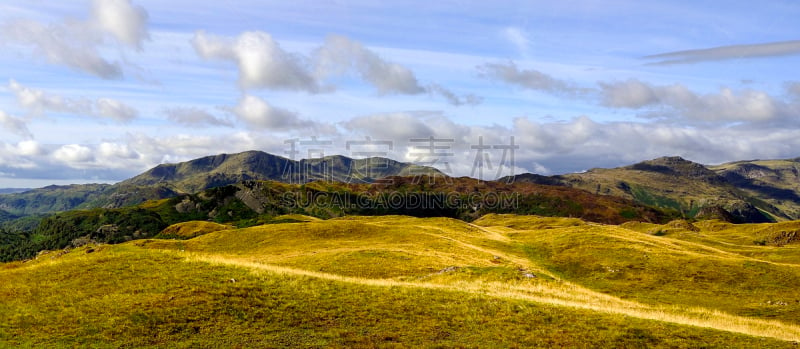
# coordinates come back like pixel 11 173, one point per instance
pixel 774 181
pixel 691 189
pixel 502 281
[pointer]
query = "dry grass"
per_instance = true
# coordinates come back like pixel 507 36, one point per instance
pixel 602 279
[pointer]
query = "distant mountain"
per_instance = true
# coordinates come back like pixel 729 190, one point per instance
pixel 168 180
pixel 12 190
pixel 219 170
pixel 739 192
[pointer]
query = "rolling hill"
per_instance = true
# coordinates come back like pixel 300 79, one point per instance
pixel 396 281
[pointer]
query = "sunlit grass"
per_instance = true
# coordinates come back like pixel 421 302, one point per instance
pixel 375 281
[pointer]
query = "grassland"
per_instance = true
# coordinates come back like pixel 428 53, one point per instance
pixel 395 281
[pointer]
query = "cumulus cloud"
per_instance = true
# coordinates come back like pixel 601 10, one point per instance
pixel 14 125
pixel 781 48
pixel 510 74
pixel 123 20
pixel 404 126
pixel 195 117
pixel 678 102
pixel 75 155
pixel 38 102
pixel 340 55
pixel 257 113
pixel 19 155
pixel 261 61
pixel 76 44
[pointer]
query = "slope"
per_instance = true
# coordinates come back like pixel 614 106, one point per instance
pixel 382 281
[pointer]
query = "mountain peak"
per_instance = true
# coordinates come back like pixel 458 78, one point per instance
pixel 677 166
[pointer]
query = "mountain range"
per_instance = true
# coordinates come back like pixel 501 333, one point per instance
pixel 742 191
pixel 169 180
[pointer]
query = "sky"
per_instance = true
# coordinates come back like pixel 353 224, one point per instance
pixel 101 90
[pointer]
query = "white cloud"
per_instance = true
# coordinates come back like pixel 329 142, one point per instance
pixel 77 44
pixel 678 102
pixel 39 102
pixel 29 148
pixel 72 45
pixel 74 155
pixel 341 55
pixel 628 94
pixel 393 126
pixel 126 22
pixel 15 125
pixel 113 151
pixel 261 61
pixel 720 53
pixel 195 117
pixel 510 74
pixel 116 110
pixel 257 113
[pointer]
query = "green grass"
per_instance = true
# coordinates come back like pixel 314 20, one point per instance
pixel 396 281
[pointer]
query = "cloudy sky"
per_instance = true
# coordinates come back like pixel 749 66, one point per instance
pixel 98 91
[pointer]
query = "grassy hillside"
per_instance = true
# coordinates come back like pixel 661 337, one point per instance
pixel 502 281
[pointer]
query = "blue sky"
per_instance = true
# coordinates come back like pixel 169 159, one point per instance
pixel 98 91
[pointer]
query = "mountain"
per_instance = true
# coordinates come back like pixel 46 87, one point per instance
pixel 57 198
pixel 218 170
pixel 738 192
pixel 168 180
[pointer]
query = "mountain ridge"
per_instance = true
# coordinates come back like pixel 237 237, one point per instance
pixel 741 191
pixel 168 180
